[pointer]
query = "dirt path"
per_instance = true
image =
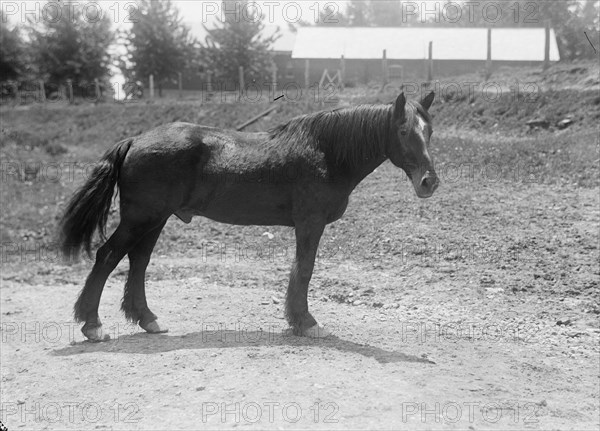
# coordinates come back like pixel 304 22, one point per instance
pixel 428 333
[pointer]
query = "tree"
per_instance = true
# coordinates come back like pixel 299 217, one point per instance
pixel 12 52
pixel 359 13
pixel 158 44
pixel 365 13
pixel 386 13
pixel 591 14
pixel 238 40
pixel 491 13
pixel 330 16
pixel 570 19
pixel 72 47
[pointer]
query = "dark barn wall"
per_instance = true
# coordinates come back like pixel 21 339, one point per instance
pixel 290 72
pixel 370 71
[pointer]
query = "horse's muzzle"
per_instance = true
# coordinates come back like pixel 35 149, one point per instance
pixel 427 184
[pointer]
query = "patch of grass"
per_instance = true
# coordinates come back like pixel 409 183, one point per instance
pixel 568 157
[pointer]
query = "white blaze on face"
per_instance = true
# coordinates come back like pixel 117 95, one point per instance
pixel 423 178
pixel 421 128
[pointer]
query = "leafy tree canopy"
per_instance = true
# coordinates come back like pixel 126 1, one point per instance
pixel 12 52
pixel 367 13
pixel 158 44
pixel 238 39
pixel 73 46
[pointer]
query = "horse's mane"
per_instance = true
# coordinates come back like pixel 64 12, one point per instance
pixel 348 136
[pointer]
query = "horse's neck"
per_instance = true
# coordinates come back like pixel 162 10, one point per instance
pixel 361 159
pixel 361 172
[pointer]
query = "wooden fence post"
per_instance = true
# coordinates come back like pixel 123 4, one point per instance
pixel 274 77
pixel 15 86
pixel 180 85
pixel 241 79
pixel 384 70
pixel 547 45
pixel 42 91
pixel 342 71
pixel 488 63
pixel 70 90
pixel 209 88
pixel 97 89
pixel 430 63
pixel 307 73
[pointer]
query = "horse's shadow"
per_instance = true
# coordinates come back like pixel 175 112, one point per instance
pixel 150 344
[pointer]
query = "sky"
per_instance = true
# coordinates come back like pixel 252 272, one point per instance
pixel 273 12
pixel 197 13
pixel 193 12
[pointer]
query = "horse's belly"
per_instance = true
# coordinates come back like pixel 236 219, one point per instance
pixel 265 217
pixel 248 205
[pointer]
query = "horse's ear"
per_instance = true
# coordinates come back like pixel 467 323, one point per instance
pixel 399 112
pixel 427 101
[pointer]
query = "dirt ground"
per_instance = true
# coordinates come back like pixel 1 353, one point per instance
pixel 476 309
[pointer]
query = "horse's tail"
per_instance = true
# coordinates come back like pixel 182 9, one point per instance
pixel 88 209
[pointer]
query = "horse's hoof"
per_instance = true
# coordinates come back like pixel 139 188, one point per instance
pixel 95 334
pixel 316 331
pixel 153 328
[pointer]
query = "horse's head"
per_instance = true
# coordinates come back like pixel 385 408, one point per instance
pixel 409 148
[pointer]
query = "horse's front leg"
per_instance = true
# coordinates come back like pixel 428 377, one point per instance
pixel 301 321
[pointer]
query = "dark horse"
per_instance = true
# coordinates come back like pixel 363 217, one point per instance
pixel 298 174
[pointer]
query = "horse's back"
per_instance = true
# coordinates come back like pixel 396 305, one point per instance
pixel 170 138
pixel 176 139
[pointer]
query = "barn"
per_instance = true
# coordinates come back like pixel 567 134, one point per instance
pixel 454 51
pixel 302 57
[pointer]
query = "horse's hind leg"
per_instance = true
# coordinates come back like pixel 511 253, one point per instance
pixel 107 258
pixel 296 303
pixel 134 303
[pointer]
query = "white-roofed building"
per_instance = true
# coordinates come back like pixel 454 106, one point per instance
pixel 411 43
pixel 455 51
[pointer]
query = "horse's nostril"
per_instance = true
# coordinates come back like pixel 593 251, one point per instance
pixel 429 182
